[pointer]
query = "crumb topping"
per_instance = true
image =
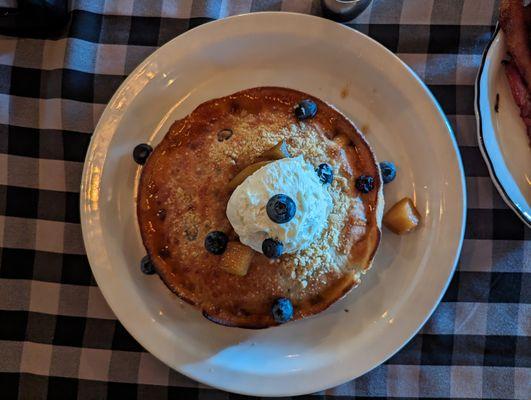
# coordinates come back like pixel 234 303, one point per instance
pixel 330 252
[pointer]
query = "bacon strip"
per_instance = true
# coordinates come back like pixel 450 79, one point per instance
pixel 515 20
pixel 527 16
pixel 520 94
pixel 513 23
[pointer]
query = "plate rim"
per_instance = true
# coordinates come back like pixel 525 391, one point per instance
pixel 459 166
pixel 480 135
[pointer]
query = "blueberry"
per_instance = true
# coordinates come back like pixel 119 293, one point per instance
pixel 161 214
pixel 164 251
pixel 282 310
pixel 224 134
pixel 388 171
pixel 325 173
pixel 147 266
pixel 272 248
pixel 216 242
pixel 305 109
pixel 365 183
pixel 281 208
pixel 141 153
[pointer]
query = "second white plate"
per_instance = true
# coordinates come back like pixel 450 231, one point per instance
pixel 502 134
pixel 402 121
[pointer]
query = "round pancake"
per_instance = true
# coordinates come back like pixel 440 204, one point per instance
pixel 183 194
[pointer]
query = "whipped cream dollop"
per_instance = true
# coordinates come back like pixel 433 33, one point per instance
pixel 294 177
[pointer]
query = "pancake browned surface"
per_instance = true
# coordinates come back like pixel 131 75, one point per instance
pixel 183 194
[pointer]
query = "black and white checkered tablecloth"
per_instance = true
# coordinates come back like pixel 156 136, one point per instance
pixel 58 338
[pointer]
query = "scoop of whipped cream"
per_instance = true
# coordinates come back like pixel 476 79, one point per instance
pixel 294 177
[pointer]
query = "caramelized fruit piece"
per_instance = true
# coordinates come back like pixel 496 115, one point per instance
pixel 402 217
pixel 277 152
pixel 244 173
pixel 236 259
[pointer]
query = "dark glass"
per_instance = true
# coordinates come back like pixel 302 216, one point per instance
pixel 37 17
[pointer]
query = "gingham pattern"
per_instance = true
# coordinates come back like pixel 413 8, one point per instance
pixel 58 338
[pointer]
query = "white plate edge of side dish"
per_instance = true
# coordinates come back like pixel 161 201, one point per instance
pixel 511 182
pixel 230 359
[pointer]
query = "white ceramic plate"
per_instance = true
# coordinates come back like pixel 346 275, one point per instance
pixel 402 121
pixel 502 135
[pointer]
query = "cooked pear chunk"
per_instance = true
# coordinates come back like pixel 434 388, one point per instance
pixel 237 259
pixel 244 173
pixel 277 152
pixel 403 217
